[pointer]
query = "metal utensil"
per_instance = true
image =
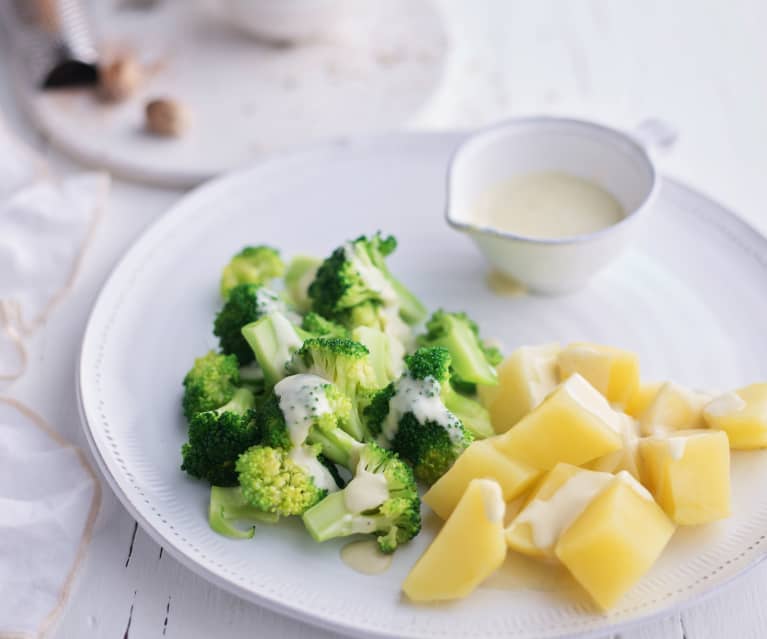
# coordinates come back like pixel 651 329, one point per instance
pixel 52 40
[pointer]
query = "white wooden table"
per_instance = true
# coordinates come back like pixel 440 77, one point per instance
pixel 698 64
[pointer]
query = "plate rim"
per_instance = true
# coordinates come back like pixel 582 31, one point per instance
pixel 274 604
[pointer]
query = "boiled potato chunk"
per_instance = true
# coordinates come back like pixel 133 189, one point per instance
pixel 615 541
pixel 689 474
pixel 612 371
pixel 468 549
pixel 625 458
pixel 524 379
pixel 480 460
pixel 575 424
pixel 673 408
pixel 559 498
pixel 642 398
pixel 742 415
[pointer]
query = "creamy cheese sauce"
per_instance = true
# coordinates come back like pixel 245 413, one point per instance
pixel 365 557
pixel 676 446
pixel 725 405
pixel 302 399
pixel 366 491
pixel 267 302
pixel 590 398
pixel 549 518
pixel 371 275
pixel 492 499
pixel 548 205
pixel 420 397
pixel 286 338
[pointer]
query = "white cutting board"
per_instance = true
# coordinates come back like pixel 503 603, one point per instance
pixel 246 99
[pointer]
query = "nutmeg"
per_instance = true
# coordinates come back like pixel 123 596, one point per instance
pixel 166 117
pixel 120 78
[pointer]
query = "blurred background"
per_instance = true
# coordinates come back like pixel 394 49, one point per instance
pixel 161 95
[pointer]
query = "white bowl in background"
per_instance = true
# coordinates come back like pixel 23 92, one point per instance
pixel 609 158
pixel 283 20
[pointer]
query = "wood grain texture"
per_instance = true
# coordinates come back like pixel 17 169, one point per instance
pixel 697 63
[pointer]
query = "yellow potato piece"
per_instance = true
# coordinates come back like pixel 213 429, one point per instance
pixel 524 379
pixel 537 526
pixel 612 371
pixel 689 474
pixel 673 408
pixel 642 398
pixel 480 460
pixel 615 541
pixel 625 458
pixel 575 425
pixel 742 415
pixel 468 549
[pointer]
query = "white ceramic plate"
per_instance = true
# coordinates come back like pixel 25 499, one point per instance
pixel 689 299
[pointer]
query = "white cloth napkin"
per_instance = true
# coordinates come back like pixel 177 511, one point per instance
pixel 45 225
pixel 49 499
pixel 49 495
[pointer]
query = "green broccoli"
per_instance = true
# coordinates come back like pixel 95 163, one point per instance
pixel 320 327
pixel 345 363
pixel 252 265
pixel 227 505
pixel 355 288
pixel 300 274
pixel 285 483
pixel 473 361
pixel 247 303
pixel 210 383
pixel 392 512
pixel 437 362
pixel 217 438
pixel 308 409
pixel 412 418
pixel 386 354
pixel 273 339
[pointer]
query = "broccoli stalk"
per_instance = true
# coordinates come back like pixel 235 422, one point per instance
pixel 346 364
pixel 390 510
pixel 247 303
pixel 252 265
pixel 210 383
pixel 228 505
pixel 273 340
pixel 386 354
pixel 473 362
pixel 217 437
pixel 301 272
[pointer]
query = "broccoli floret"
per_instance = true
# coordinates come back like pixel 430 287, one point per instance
pixel 393 515
pixel 473 361
pixel 218 437
pixel 210 383
pixel 275 481
pixel 301 272
pixel 355 288
pixel 321 327
pixel 228 505
pixel 308 409
pixel 246 304
pixel 273 340
pixel 436 362
pixel 411 417
pixel 252 265
pixel 345 363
